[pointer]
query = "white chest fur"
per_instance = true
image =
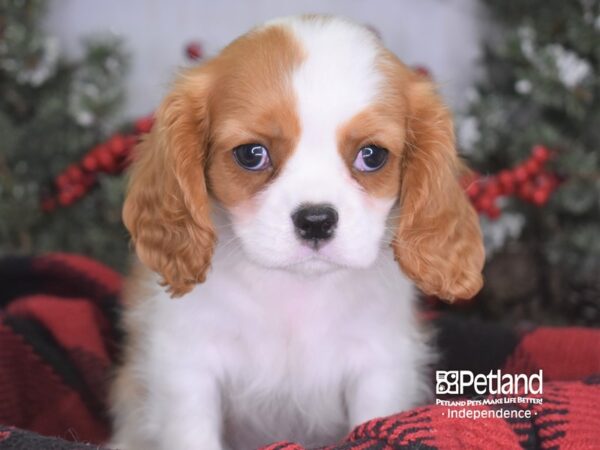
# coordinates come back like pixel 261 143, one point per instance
pixel 287 354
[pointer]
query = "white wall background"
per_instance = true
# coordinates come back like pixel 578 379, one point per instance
pixel 443 35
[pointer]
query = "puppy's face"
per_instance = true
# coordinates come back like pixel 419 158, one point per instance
pixel 304 150
pixel 308 132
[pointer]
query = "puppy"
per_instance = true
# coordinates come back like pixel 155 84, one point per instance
pixel 292 192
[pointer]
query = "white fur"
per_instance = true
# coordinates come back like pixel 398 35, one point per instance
pixel 281 341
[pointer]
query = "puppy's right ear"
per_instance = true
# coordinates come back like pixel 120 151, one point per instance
pixel 167 206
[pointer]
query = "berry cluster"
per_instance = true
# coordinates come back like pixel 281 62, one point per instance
pixel 109 157
pixel 529 181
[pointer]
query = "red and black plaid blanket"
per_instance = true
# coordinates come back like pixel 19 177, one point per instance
pixel 58 339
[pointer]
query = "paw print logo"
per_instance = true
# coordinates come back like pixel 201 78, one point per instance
pixel 446 382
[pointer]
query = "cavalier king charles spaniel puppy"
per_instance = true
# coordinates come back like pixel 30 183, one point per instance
pixel 293 193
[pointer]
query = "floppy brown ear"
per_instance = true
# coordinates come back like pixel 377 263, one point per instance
pixel 438 242
pixel 167 207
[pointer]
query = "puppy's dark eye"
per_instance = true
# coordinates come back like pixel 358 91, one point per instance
pixel 252 156
pixel 370 158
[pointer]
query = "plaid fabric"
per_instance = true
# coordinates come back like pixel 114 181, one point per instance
pixel 58 339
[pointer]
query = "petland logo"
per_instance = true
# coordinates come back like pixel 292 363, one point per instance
pixel 495 382
pixel 504 392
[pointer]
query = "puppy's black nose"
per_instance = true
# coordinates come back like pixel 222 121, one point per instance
pixel 315 222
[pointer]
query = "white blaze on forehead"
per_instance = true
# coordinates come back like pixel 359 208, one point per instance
pixel 337 78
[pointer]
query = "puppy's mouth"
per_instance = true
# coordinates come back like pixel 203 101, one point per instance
pixel 313 259
pixel 316 264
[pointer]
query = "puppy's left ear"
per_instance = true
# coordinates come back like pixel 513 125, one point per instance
pixel 438 241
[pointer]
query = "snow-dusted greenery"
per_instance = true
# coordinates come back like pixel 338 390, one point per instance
pixel 542 86
pixel 51 112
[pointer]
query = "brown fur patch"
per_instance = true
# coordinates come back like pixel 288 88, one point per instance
pixel 382 124
pixel 375 126
pixel 252 101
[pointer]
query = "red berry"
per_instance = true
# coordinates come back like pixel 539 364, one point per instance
pixel 484 203
pixel 494 212
pixel 532 166
pixel 422 71
pixel 90 161
pixel 105 158
pixel 194 51
pixel 541 154
pixel 117 145
pixel 520 174
pixel 473 190
pixel 507 181
pixel 130 141
pixel 74 173
pixel 540 196
pixel 78 191
pixel 65 198
pixel 62 180
pixel 144 124
pixel 492 188
pixel 88 179
pixel 526 191
pixel 505 177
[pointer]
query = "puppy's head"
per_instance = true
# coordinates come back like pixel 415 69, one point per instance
pixel 322 147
